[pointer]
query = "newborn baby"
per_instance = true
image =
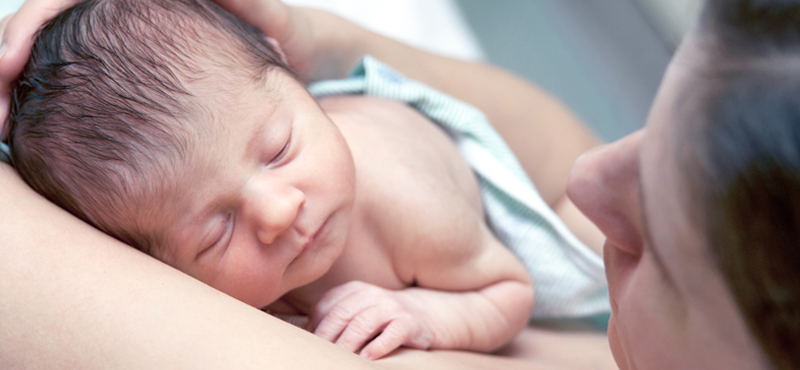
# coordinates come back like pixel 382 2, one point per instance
pixel 178 129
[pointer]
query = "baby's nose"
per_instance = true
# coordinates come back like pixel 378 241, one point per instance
pixel 273 210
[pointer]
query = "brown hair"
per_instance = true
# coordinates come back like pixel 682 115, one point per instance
pixel 745 168
pixel 100 113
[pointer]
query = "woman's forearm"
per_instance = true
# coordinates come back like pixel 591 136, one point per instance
pixel 72 297
pixel 545 135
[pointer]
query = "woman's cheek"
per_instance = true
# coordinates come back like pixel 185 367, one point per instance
pixel 647 319
pixel 617 350
pixel 620 265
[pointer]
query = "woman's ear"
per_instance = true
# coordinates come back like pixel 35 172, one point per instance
pixel 277 48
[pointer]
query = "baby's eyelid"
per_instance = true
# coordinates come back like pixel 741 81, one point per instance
pixel 227 230
pixel 283 151
pixel 287 145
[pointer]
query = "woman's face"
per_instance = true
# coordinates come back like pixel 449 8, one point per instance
pixel 670 306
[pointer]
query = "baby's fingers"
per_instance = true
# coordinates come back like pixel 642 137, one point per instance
pixel 340 300
pixel 362 328
pixel 331 326
pixel 400 331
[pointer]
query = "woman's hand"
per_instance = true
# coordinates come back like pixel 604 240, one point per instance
pixel 17 32
pixel 317 44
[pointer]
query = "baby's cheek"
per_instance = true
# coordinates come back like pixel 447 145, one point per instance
pixel 245 279
pixel 344 168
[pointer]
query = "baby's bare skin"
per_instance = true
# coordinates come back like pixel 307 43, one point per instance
pixel 417 223
pixel 356 211
pixel 413 190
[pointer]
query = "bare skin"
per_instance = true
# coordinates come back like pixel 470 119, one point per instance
pixel 78 266
pixel 403 255
pixel 544 134
pixel 418 203
pixel 106 304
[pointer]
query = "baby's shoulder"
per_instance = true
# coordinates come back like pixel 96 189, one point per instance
pixel 366 112
pixel 422 197
pixel 358 104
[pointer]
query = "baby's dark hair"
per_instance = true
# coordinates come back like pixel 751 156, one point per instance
pixel 102 111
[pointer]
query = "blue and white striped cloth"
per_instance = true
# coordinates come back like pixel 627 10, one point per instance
pixel 569 277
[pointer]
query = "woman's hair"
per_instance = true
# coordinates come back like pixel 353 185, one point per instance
pixel 745 165
pixel 103 113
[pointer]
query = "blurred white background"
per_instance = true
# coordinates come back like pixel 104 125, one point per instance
pixel 603 58
pixel 8 6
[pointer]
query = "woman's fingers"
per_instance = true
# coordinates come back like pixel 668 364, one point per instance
pixel 5 97
pixel 16 33
pixel 305 35
pixel 276 20
pixel 272 17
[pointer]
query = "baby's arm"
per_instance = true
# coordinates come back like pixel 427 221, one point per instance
pixel 476 302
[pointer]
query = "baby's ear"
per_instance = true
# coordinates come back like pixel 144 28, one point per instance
pixel 277 48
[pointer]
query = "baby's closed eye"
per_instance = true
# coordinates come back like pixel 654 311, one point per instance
pixel 283 151
pixel 218 236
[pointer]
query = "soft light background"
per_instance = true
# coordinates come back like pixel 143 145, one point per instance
pixel 8 6
pixel 603 58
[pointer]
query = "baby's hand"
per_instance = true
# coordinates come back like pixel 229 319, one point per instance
pixel 357 314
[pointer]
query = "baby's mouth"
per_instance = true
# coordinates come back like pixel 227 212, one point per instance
pixel 318 232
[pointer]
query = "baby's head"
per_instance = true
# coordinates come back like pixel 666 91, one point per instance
pixel 178 129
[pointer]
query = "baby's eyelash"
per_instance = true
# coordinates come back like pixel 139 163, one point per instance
pixel 222 235
pixel 283 150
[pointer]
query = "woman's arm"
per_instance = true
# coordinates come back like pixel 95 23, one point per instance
pixel 72 297
pixel 540 130
pixel 545 135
